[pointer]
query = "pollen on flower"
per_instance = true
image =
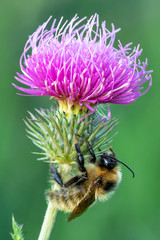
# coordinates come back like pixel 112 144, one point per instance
pixel 76 62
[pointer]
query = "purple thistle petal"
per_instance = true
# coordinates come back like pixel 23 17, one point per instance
pixel 78 62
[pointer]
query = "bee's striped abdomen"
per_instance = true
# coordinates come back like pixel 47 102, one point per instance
pixel 67 199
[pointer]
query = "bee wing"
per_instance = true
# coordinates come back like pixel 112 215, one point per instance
pixel 82 206
pixel 88 199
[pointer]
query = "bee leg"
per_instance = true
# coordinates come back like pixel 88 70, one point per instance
pixel 76 180
pixel 113 153
pixel 99 149
pixel 56 175
pixel 80 158
pixel 93 159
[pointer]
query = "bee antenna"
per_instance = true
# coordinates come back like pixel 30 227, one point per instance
pixel 123 164
pixel 127 167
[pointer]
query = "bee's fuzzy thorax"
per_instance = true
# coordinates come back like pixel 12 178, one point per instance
pixel 110 180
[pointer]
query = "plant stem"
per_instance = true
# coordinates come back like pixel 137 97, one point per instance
pixel 48 222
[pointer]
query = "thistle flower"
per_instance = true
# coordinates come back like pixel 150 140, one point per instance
pixel 78 65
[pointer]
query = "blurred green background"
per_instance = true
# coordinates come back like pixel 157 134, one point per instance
pixel 133 213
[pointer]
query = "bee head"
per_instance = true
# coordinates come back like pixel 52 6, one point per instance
pixel 110 162
pixel 107 162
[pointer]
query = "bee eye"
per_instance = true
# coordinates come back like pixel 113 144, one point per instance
pixel 109 164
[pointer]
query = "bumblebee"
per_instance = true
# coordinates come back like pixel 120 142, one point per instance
pixel 97 181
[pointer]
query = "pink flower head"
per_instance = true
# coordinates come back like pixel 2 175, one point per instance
pixel 78 62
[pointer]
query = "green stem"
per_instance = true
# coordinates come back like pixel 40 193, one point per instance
pixel 48 222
